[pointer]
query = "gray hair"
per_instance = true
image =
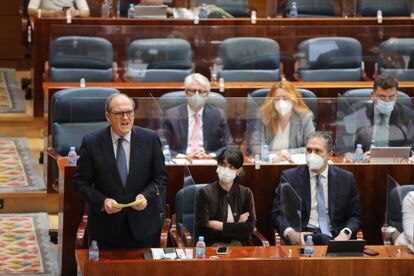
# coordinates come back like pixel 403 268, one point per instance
pixel 111 97
pixel 197 77
pixel 326 136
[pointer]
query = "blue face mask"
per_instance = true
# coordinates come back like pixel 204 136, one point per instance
pixel 384 107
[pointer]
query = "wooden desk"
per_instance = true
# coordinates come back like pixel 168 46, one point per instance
pixel 206 36
pixel 249 261
pixel 239 261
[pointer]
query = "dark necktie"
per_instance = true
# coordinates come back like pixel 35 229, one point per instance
pixel 322 217
pixel 121 161
pixel 381 136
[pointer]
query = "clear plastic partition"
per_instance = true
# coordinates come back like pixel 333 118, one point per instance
pixel 273 128
pixel 291 205
pixel 239 51
pixel 393 214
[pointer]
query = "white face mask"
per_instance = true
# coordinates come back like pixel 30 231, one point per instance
pixel 315 162
pixel 384 107
pixel 226 175
pixel 283 107
pixel 196 101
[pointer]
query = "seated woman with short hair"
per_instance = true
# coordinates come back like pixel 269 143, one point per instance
pixel 225 213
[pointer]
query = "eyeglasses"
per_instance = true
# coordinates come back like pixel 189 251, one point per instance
pixel 191 92
pixel 121 114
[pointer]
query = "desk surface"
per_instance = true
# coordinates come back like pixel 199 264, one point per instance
pixel 250 260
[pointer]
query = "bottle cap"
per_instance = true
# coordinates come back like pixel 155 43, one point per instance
pixel 201 238
pixel 309 238
pixel 72 148
pixel 166 147
pixel 359 146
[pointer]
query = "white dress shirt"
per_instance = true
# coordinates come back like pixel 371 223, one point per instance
pixel 406 238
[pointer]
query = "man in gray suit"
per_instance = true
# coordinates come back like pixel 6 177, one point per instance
pixel 121 164
pixel 196 129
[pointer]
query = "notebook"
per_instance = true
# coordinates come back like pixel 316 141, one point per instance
pixel 151 11
pixel 387 155
pixel 350 248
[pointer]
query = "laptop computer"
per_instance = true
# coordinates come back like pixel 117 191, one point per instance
pixel 350 248
pixel 387 155
pixel 151 11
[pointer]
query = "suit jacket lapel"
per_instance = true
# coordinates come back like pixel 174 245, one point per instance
pixel 331 191
pixel 183 126
pixel 108 153
pixel 136 152
pixel 306 196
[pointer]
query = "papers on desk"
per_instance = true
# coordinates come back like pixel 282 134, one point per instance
pixel 183 161
pixel 165 253
pixel 136 202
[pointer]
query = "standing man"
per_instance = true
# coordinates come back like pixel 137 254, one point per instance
pixel 120 164
pixel 196 129
pixel 330 207
pixel 77 8
pixel 384 122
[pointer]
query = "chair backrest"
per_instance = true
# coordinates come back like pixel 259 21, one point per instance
pixel 394 205
pixel 314 8
pixel 74 57
pixel 237 8
pixel 185 206
pixel 395 56
pixel 308 97
pixel 364 94
pixel 76 112
pixel 388 8
pixel 249 59
pixel 175 98
pixel 331 59
pixel 159 59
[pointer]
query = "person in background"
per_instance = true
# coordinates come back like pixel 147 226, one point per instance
pixel 285 122
pixel 78 8
pixel 384 122
pixel 330 207
pixel 121 163
pixel 196 129
pixel 225 213
pixel 405 238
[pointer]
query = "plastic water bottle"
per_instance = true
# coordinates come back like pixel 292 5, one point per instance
pixel 200 248
pixel 293 12
pixel 94 252
pixel 265 153
pixel 72 157
pixel 105 9
pixel 308 246
pixel 203 11
pixel 131 11
pixel 167 154
pixel 359 154
pixel 221 85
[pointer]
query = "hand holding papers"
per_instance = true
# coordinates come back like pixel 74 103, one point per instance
pixel 136 202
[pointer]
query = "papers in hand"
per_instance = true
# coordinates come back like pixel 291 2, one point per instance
pixel 136 202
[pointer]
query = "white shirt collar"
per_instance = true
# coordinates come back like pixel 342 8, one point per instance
pixel 191 112
pixel 115 137
pixel 324 173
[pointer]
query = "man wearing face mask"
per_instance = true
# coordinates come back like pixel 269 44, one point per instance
pixel 196 129
pixel 384 122
pixel 329 199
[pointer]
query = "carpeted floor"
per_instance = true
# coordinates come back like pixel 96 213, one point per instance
pixel 11 96
pixel 25 248
pixel 18 169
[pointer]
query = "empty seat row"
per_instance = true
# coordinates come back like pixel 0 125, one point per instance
pixel 238 59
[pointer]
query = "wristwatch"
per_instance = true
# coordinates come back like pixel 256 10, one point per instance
pixel 347 232
pixel 391 229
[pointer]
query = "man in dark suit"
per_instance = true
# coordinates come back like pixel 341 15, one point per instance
pixel 196 129
pixel 329 208
pixel 121 164
pixel 384 122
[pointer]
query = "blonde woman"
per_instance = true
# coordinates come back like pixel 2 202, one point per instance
pixel 284 123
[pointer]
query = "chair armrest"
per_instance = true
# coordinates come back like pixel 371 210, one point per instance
pixel 115 68
pixel 360 235
pixel 259 236
pixel 175 236
pixel 164 232
pixel 81 236
pixel 278 239
pixel 187 236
